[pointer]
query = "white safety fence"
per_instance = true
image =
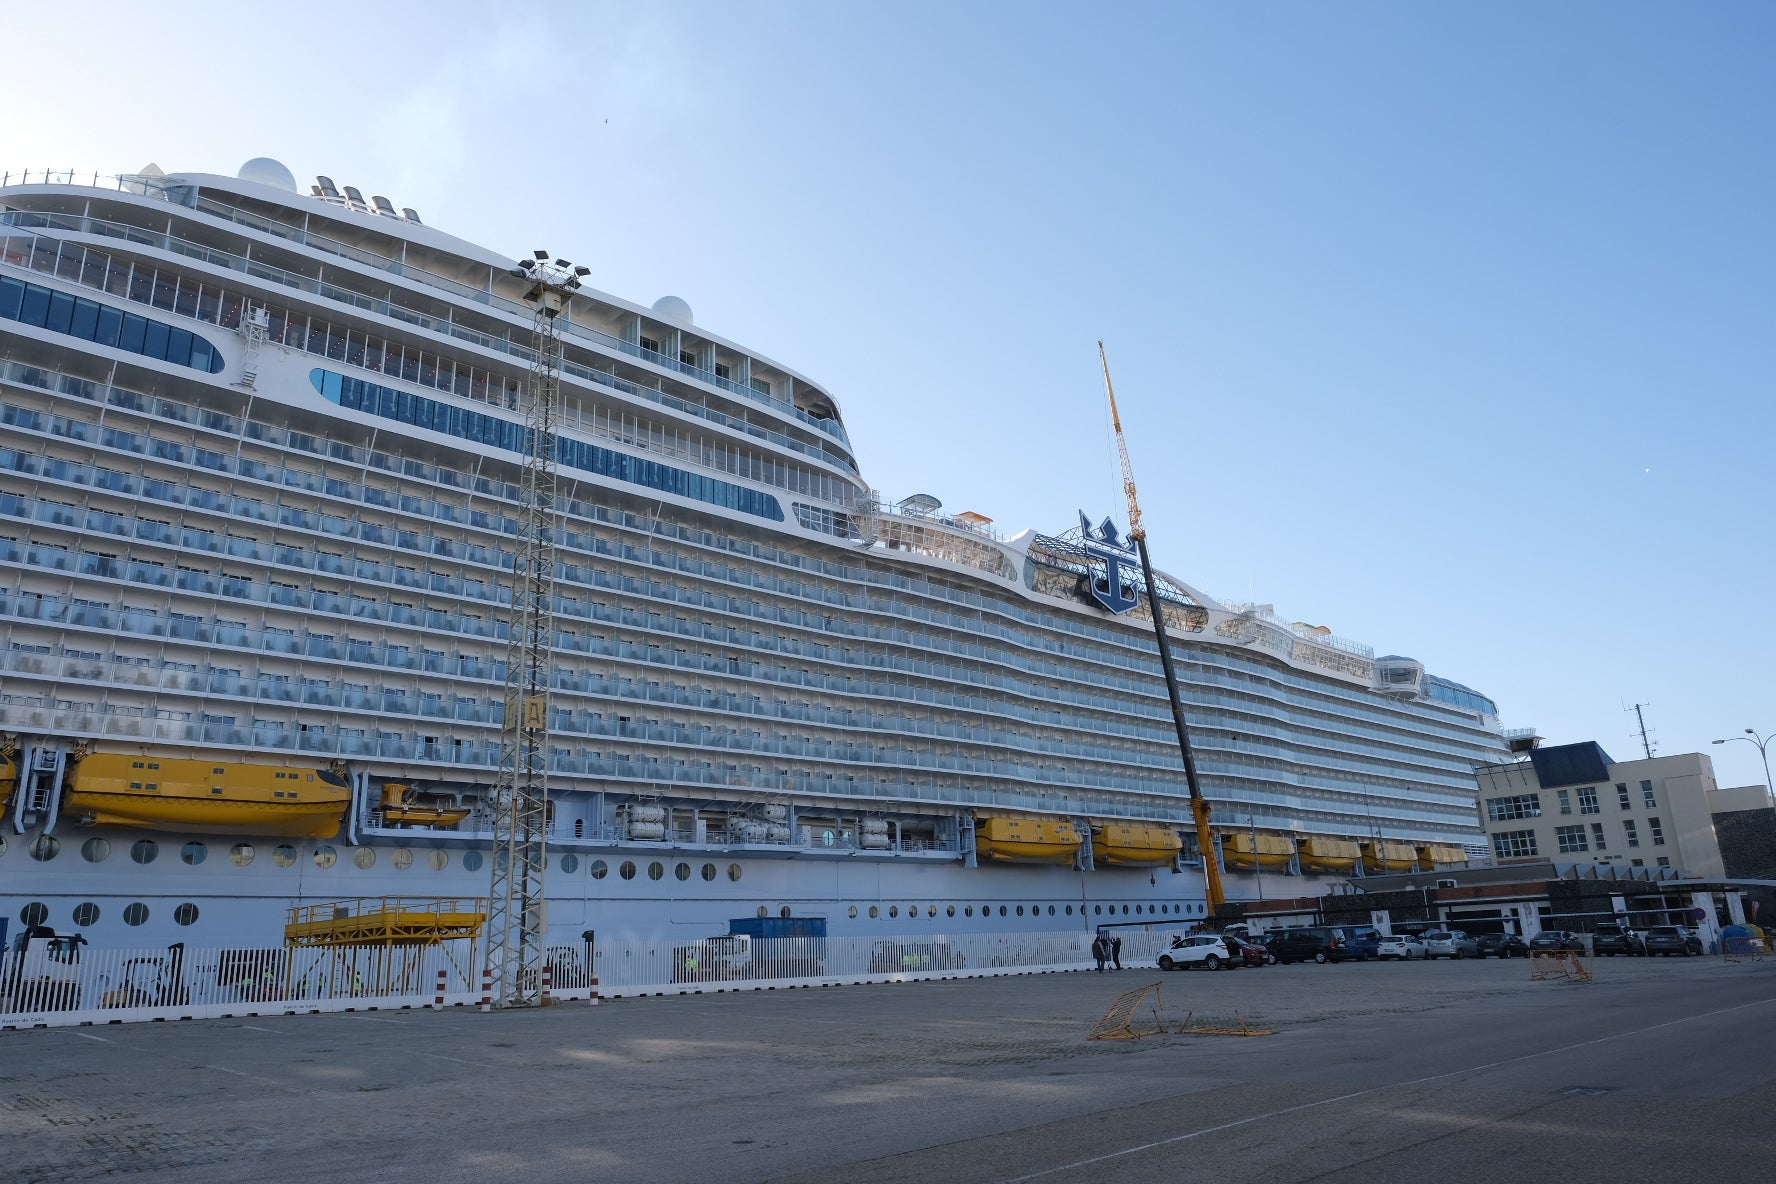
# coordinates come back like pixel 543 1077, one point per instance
pixel 66 985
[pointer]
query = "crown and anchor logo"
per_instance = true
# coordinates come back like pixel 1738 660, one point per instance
pixel 1106 544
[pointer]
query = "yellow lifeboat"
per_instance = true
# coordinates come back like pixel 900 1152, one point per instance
pixel 209 797
pixel 401 806
pixel 1116 845
pixel 1319 854
pixel 1440 854
pixel 1026 840
pixel 1242 849
pixel 1389 856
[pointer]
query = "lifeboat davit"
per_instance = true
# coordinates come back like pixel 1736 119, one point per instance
pixel 1244 850
pixel 1026 840
pixel 401 806
pixel 1117 845
pixel 1329 855
pixel 208 797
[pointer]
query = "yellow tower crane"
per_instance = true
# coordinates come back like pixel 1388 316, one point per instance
pixel 1199 806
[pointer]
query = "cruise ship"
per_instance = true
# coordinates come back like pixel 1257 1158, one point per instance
pixel 259 467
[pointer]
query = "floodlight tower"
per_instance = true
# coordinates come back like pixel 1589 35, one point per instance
pixel 517 917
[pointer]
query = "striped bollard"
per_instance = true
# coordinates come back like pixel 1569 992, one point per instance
pixel 548 981
pixel 595 990
pixel 443 978
pixel 487 989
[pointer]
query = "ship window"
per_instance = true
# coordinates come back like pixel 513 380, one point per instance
pixel 950 910
pixel 656 870
pixel 95 850
pixel 283 855
pixel 218 771
pixel 241 854
pixel 402 858
pixel 1098 909
pixel 931 910
pixel 44 848
pixel 1051 910
pixel 968 910
pixel 325 856
pixel 35 913
pixel 852 912
pixel 1125 910
pixel 709 874
pixel 570 864
pixel 627 871
pixel 874 912
pixel 894 910
pixel 144 850
pixel 1137 910
pixel 1069 910
pixel 682 871
pixel 472 861
pixel 734 871
pixel 364 857
pixel 1020 910
pixel 135 914
pixel 439 859
pixel 86 914
pixel 600 869
pixel 1002 910
pixel 194 853
pixel 137 765
pixel 185 914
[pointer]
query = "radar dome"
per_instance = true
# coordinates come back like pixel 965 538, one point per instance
pixel 673 309
pixel 263 170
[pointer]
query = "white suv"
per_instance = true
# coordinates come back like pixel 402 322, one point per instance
pixel 1403 946
pixel 1203 949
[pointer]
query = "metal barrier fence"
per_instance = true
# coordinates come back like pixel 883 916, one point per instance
pixel 53 984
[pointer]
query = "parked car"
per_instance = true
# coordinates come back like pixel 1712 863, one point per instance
pixel 1449 943
pixel 1301 945
pixel 1557 941
pixel 1500 945
pixel 1667 940
pixel 1360 943
pixel 1206 950
pixel 1612 939
pixel 1404 946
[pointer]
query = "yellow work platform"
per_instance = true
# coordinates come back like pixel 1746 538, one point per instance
pixel 385 920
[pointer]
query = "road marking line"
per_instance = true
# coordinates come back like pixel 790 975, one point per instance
pixel 438 1056
pixel 90 1036
pixel 1375 1089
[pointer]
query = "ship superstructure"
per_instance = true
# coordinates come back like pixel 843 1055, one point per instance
pixel 258 475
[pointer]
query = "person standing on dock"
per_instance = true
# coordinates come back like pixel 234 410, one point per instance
pixel 1116 951
pixel 1100 951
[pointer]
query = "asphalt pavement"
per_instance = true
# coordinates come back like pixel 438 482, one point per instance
pixel 1660 1070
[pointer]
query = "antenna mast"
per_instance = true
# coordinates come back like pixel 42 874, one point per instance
pixel 1646 742
pixel 517 912
pixel 1199 806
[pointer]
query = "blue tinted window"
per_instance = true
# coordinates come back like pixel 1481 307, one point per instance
pixel 36 305
pixel 61 312
pixel 179 347
pixel 110 324
pixel 154 342
pixel 134 329
pixel 86 319
pixel 200 353
pixel 11 293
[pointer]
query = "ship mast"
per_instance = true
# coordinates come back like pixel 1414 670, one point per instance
pixel 1199 806
pixel 517 913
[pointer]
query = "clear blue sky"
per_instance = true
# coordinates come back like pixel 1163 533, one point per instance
pixel 1448 327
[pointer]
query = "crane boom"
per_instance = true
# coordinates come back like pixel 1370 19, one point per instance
pixel 1199 806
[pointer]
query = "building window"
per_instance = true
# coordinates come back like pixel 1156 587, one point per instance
pixel 1566 805
pixel 1588 800
pixel 1597 836
pixel 1523 805
pixel 1633 832
pixel 1622 796
pixel 1571 838
pixel 1514 844
pixel 1646 791
pixel 1664 861
pixel 1658 830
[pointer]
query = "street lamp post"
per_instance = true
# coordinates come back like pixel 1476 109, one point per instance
pixel 1762 742
pixel 1257 866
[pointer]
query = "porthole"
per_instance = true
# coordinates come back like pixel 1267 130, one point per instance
pixel 185 914
pixel 1002 910
pixel 325 856
pixel 135 914
pixel 1098 909
pixel 44 848
pixel 1137 910
pixel 734 871
pixel 1069 910
pixel 627 871
pixel 968 910
pixel 501 857
pixel 874 912
pixel 402 858
pixel 763 911
pixel 656 869
pixel 709 871
pixel 784 912
pixel 1020 910
pixel 2 844
pixel 35 913
pixel 600 869
pixel 144 850
pixel 95 850
pixel 894 910
pixel 570 863
pixel 86 914
pixel 1051 910
pixel 852 912
pixel 438 858
pixel 193 854
pixel 241 854
pixel 472 861
pixel 1125 910
pixel 949 910
pixel 283 855
pixel 682 871
pixel 912 910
